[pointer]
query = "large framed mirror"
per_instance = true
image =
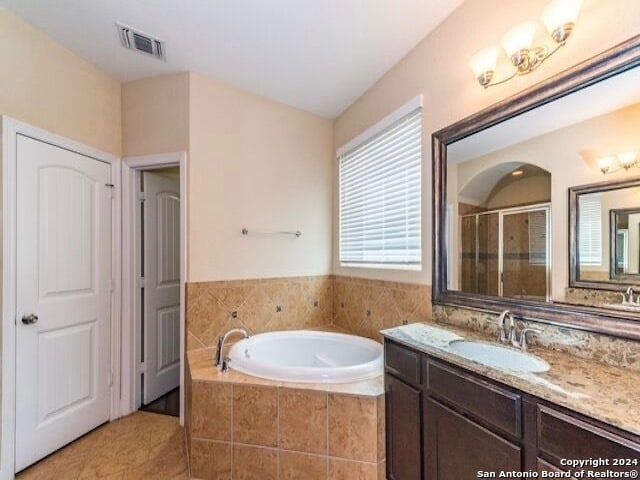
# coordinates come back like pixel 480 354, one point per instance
pixel 537 200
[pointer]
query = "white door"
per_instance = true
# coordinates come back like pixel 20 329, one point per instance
pixel 63 297
pixel 161 264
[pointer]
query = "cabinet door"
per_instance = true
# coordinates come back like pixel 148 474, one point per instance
pixel 404 442
pixel 457 448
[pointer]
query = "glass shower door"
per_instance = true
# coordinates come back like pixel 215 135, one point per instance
pixel 525 254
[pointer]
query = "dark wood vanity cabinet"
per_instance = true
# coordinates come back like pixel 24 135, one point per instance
pixel 456 448
pixel 404 434
pixel 445 423
pixel 403 404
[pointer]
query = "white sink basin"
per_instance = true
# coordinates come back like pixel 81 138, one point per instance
pixel 499 357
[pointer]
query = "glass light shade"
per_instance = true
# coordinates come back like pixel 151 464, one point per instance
pixel 605 163
pixel 627 159
pixel 560 13
pixel 484 61
pixel 519 38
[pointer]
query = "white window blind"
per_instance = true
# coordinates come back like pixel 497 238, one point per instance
pixel 380 197
pixel 590 230
pixel 538 237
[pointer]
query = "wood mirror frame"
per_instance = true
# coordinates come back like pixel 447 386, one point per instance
pixel 611 322
pixel 617 283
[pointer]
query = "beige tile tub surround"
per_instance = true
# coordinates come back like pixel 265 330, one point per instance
pixel 258 429
pixel 364 307
pixel 359 306
pixel 259 305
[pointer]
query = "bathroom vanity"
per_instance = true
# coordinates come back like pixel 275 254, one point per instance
pixel 449 419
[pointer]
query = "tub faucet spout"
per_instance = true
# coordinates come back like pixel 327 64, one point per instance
pixel 221 362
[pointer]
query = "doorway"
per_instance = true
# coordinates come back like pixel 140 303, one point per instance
pixel 158 242
pixel 154 267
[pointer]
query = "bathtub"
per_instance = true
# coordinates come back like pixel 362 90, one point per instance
pixel 307 357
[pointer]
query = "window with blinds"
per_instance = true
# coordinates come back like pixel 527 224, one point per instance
pixel 380 197
pixel 590 230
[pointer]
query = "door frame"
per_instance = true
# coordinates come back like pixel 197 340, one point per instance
pixel 131 166
pixel 11 128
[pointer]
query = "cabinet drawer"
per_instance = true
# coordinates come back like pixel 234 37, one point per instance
pixel 402 362
pixel 486 402
pixel 543 466
pixel 561 436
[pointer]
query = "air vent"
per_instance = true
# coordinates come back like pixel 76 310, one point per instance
pixel 142 42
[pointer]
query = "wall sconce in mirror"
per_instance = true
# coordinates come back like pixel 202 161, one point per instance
pixel 559 19
pixel 613 163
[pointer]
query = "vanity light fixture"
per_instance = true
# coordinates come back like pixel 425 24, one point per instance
pixel 613 163
pixel 517 173
pixel 559 19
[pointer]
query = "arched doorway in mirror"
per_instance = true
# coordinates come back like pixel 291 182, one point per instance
pixel 504 225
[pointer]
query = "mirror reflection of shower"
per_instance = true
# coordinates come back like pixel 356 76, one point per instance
pixel 504 219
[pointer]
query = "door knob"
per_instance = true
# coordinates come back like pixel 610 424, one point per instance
pixel 29 319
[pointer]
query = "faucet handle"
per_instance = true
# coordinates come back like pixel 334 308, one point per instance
pixel 503 336
pixel 218 360
pixel 523 337
pixel 225 364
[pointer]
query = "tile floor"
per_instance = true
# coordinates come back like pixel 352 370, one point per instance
pixel 141 446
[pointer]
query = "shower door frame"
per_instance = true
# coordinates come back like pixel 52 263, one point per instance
pixel 546 207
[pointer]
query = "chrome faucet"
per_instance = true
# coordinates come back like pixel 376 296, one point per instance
pixel 629 296
pixel 511 336
pixel 522 344
pixel 503 336
pixel 222 363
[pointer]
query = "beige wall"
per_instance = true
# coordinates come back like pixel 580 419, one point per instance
pixel 253 163
pixel 262 165
pixel 438 69
pixel 521 191
pixel 45 85
pixel 155 115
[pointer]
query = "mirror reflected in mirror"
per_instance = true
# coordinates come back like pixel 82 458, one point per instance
pixel 625 224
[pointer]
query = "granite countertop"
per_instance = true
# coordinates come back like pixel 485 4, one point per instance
pixel 202 370
pixel 605 393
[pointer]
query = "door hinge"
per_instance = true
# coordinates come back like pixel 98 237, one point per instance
pixel 141 282
pixel 142 368
pixel 111 379
pixel 141 196
pixel 111 284
pixel 110 186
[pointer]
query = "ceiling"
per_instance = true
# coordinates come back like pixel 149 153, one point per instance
pixel 317 55
pixel 477 191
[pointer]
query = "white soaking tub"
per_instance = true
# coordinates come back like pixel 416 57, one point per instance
pixel 305 356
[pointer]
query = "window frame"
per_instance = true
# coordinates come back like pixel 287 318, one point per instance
pixel 369 135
